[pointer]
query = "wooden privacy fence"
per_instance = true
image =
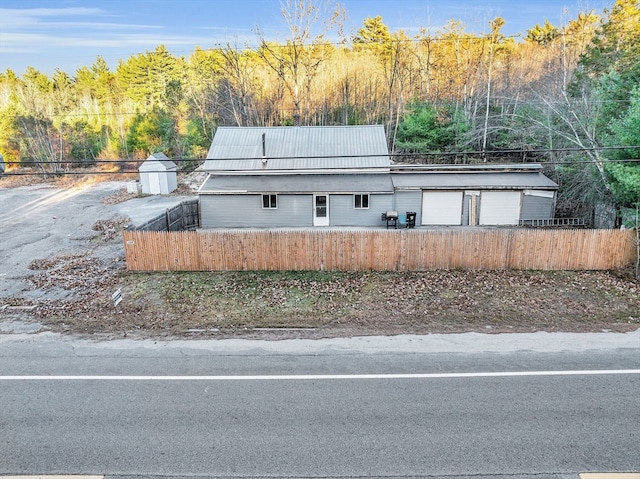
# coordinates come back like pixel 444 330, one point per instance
pixel 381 250
pixel 181 217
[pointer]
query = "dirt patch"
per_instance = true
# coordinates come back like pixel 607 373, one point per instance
pixel 278 305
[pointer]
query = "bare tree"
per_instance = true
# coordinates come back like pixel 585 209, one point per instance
pixel 496 24
pixel 296 63
pixel 240 73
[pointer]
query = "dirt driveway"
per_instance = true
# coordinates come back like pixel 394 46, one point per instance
pixel 42 222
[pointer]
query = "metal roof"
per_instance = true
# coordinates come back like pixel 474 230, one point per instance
pixel 467 168
pixel 333 183
pixel 158 162
pixel 472 179
pixel 298 148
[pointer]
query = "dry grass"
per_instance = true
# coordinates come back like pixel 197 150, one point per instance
pixel 324 304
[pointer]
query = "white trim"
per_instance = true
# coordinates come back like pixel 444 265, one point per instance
pixel 262 195
pixel 361 195
pixel 300 171
pixel 204 183
pixel 320 220
pixel 541 193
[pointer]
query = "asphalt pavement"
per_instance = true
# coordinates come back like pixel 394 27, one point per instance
pixel 471 405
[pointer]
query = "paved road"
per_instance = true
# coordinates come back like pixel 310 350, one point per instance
pixel 392 408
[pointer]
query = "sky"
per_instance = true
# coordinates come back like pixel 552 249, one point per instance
pixel 69 34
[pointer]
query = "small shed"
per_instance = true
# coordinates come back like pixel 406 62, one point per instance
pixel 158 175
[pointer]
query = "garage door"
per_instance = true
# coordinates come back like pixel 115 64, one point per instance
pixel 442 208
pixel 499 207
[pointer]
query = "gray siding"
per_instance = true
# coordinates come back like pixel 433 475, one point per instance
pixel 469 179
pixel 409 201
pixel 296 210
pixel 536 208
pixel 342 212
pixel 245 211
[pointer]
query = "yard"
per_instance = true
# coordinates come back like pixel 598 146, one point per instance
pixel 276 305
pixel 62 259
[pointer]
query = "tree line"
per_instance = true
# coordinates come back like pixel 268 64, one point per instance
pixel 567 96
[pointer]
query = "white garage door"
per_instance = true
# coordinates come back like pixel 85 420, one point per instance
pixel 499 207
pixel 442 208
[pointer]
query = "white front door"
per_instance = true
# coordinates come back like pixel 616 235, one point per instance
pixel 320 210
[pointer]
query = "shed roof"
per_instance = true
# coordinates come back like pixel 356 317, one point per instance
pixel 158 162
pixel 298 148
pixel 472 179
pixel 306 184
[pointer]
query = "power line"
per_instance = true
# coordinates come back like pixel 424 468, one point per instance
pixel 477 153
pixel 135 171
pixel 73 173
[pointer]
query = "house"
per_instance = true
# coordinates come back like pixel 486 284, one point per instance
pixel 343 176
pixel 296 176
pixel 158 175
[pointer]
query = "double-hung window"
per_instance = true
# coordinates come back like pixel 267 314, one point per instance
pixel 361 201
pixel 269 201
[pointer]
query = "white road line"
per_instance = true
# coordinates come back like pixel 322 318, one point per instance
pixel 52 477
pixel 321 377
pixel 610 475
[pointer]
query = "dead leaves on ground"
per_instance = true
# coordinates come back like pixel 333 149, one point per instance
pixel 427 301
pixel 111 228
pixel 119 196
pixel 78 273
pixel 347 303
pixel 89 282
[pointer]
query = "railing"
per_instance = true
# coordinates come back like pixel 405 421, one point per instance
pixel 556 223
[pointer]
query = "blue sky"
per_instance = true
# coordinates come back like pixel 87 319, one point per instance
pixel 68 34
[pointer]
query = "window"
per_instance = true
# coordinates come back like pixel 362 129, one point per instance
pixel 269 201
pixel 361 201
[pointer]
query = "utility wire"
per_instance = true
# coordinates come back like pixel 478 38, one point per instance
pixel 443 165
pixel 477 153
